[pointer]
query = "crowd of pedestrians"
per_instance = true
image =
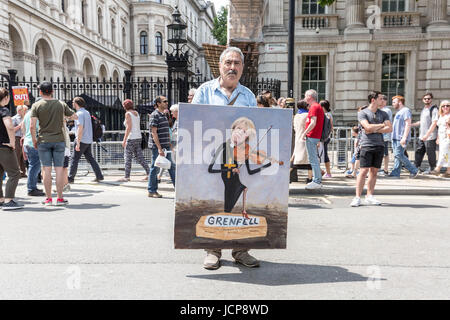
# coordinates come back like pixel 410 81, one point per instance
pixel 37 138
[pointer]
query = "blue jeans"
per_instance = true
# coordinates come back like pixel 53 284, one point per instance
pixel 34 167
pixel 152 177
pixel 400 158
pixel 311 148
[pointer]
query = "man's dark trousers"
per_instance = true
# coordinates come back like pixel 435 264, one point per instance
pixel 428 147
pixel 85 149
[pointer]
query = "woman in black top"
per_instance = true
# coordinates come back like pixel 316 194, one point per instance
pixel 8 159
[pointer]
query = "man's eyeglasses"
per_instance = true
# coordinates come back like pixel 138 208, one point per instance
pixel 426 98
pixel 165 101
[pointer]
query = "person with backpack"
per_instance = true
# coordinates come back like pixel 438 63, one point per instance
pixel 312 135
pixel 326 133
pixel 427 133
pixel 83 140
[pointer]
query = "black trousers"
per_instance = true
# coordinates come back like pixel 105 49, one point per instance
pixel 428 147
pixel 85 149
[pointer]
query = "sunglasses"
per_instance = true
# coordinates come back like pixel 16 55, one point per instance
pixel 165 101
pixel 446 106
pixel 426 98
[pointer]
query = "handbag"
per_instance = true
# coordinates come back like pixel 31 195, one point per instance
pixel 144 141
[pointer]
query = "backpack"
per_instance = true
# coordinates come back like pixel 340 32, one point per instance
pixel 431 111
pixel 326 130
pixel 97 130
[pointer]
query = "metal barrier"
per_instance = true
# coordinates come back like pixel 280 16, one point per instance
pixel 109 153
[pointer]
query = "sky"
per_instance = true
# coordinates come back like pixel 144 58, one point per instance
pixel 219 3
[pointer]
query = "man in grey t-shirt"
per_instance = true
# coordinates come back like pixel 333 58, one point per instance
pixel 374 123
pixel 427 132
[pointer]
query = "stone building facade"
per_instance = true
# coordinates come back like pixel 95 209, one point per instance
pixel 97 38
pixel 345 50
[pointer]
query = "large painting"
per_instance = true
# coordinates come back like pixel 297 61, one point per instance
pixel 232 178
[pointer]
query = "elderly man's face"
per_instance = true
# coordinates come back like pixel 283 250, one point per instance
pixel 231 67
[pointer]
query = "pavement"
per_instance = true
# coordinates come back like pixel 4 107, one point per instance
pixel 337 185
pixel 113 242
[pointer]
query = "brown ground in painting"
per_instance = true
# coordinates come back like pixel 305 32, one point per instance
pixel 188 214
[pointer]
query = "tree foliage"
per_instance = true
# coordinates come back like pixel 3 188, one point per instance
pixel 220 26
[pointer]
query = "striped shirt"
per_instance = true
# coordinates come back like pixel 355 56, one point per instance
pixel 159 120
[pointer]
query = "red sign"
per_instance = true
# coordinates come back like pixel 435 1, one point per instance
pixel 20 94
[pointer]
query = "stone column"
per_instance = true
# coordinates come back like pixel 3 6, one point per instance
pixel 437 11
pixel 354 16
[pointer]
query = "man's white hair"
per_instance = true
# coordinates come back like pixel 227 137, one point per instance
pixel 174 107
pixel 312 93
pixel 231 49
pixel 192 91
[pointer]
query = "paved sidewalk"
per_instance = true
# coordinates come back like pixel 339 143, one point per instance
pixel 337 185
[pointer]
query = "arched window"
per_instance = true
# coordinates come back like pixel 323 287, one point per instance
pixel 100 21
pixel 144 42
pixel 113 31
pixel 158 43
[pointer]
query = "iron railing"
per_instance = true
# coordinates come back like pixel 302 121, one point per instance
pixel 104 97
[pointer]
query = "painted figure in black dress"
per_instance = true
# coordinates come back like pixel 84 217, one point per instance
pixel 235 152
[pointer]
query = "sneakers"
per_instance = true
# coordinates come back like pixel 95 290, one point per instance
pixel 123 179
pixel 246 259
pixel 211 262
pixel 313 186
pixel 383 173
pixel 48 202
pixel 392 177
pixel 326 176
pixel 414 175
pixel 356 202
pixel 154 195
pixel 372 201
pixel 349 174
pixel 98 180
pixel 36 193
pixel 61 202
pixel 11 205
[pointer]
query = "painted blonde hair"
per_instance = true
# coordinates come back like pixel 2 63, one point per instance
pixel 251 129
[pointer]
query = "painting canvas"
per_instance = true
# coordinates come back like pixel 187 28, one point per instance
pixel 232 178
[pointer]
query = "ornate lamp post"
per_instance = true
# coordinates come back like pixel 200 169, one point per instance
pixel 178 60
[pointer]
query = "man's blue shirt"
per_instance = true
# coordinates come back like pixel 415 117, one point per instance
pixel 211 93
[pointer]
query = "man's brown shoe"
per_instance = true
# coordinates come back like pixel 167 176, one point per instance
pixel 154 195
pixel 211 262
pixel 246 259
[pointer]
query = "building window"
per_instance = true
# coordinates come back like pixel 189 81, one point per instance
pixel 393 5
pixel 158 43
pixel 144 42
pixel 113 31
pixel 83 12
pixel 312 7
pixel 63 6
pixel 314 75
pixel 100 21
pixel 124 39
pixel 393 76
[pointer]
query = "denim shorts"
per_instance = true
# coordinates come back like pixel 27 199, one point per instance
pixel 51 153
